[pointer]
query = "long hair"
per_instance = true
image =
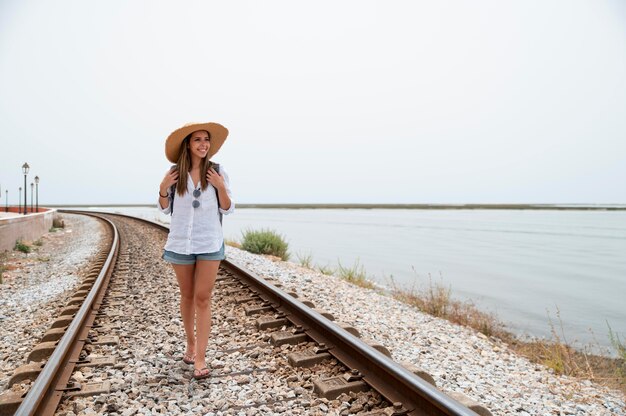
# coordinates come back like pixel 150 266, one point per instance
pixel 184 166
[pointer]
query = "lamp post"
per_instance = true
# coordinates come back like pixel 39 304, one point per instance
pixel 25 168
pixel 37 192
pixel 6 200
pixel 32 186
pixel 19 202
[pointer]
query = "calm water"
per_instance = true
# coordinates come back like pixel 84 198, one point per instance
pixel 523 265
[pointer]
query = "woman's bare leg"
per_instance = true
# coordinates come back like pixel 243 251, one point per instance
pixel 206 273
pixel 185 277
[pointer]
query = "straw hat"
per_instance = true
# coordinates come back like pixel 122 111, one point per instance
pixel 217 132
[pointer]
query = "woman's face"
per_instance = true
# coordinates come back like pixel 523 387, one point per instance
pixel 199 144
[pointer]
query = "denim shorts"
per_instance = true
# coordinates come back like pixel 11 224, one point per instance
pixel 175 258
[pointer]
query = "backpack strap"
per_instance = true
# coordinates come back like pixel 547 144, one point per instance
pixel 172 192
pixel 216 166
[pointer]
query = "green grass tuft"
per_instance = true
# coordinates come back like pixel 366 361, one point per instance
pixel 305 260
pixel 327 270
pixel 355 275
pixel 617 343
pixel 3 267
pixel 24 248
pixel 38 242
pixel 265 242
pixel 620 348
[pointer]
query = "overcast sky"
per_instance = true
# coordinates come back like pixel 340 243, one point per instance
pixel 326 101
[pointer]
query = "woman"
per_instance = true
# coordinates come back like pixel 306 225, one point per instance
pixel 196 195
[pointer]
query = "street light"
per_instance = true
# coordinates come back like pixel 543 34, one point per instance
pixel 6 200
pixel 32 186
pixel 25 168
pixel 19 202
pixel 37 192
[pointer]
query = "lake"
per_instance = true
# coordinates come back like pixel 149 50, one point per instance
pixel 524 265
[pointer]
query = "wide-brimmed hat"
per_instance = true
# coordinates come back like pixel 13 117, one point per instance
pixel 217 132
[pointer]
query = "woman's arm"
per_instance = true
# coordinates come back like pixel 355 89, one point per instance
pixel 171 177
pixel 164 201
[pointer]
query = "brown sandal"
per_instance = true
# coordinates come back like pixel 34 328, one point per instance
pixel 189 358
pixel 200 373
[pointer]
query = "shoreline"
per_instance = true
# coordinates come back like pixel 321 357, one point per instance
pixel 504 331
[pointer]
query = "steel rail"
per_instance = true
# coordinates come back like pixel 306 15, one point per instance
pixel 42 392
pixel 390 379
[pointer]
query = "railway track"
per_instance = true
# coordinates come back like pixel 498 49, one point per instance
pixel 271 352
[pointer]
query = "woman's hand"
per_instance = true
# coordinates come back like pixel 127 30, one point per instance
pixel 215 178
pixel 170 179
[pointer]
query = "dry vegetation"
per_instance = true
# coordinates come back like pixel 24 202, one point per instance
pixel 555 353
pixel 436 300
pixel 232 243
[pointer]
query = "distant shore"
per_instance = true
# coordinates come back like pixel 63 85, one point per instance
pixel 557 207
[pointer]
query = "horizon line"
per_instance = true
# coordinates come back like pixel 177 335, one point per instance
pixel 550 206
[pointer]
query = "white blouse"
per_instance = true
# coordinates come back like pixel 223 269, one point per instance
pixel 197 230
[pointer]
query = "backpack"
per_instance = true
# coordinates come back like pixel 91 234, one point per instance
pixel 215 166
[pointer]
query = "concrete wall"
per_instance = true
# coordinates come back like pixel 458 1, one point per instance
pixel 25 227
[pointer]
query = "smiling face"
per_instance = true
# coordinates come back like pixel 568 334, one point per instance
pixel 199 144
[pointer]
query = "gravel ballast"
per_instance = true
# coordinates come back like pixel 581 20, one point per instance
pixel 37 284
